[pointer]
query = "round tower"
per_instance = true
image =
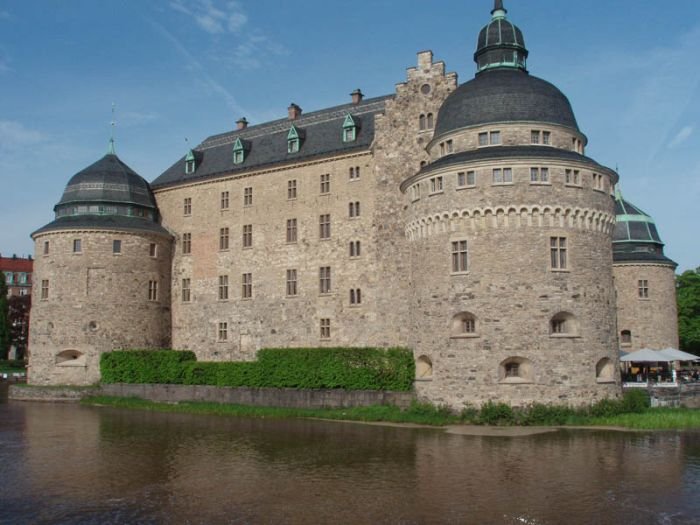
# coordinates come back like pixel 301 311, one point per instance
pixel 102 275
pixel 645 282
pixel 511 228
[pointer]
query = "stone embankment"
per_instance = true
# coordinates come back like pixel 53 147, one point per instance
pixel 261 397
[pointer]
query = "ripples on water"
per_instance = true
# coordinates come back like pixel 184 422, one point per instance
pixel 72 464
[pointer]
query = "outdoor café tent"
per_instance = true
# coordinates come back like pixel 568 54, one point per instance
pixel 677 355
pixel 646 355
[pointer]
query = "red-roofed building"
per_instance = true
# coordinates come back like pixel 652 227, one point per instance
pixel 18 274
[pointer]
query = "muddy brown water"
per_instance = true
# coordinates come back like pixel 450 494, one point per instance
pixel 64 463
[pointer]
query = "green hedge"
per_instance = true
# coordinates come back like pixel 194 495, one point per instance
pixel 144 366
pixel 304 368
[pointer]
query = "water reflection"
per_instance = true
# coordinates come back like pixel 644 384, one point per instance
pixel 74 464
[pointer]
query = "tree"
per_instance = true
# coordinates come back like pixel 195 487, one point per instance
pixel 19 323
pixel 688 288
pixel 4 318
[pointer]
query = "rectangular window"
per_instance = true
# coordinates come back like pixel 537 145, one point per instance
pixel 247 235
pixel 247 196
pixel 539 174
pixel 292 189
pixel 116 246
pixel 643 286
pixel 355 296
pixel 247 286
pixel 534 137
pixel 153 249
pixel 223 287
pixel 222 334
pixel 354 209
pixel 461 179
pixel 291 230
pixel 223 239
pixel 354 248
pixel 459 256
pixel 187 206
pixel 185 290
pixel 436 185
pixel 325 183
pixel 449 146
pixel 186 243
pixel 77 246
pixel 483 139
pixel 325 328
pixel 45 289
pixel 46 247
pixel 415 192
pixel 324 276
pixel 224 200
pixel 558 255
pixel 152 290
pixel 471 178
pixel 355 173
pixel 291 283
pixel 494 138
pixel 573 177
pixel 324 223
pixel 546 138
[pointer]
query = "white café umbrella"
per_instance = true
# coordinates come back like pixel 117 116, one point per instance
pixel 678 355
pixel 645 355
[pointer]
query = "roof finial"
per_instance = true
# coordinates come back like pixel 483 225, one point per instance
pixel 498 10
pixel 110 149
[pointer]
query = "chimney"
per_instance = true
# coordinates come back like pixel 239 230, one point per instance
pixel 357 96
pixel 294 111
pixel 241 123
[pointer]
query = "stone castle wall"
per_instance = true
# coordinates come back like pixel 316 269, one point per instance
pixel 97 301
pixel 652 320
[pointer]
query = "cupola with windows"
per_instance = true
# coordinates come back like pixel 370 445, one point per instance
pixel 502 91
pixel 636 238
pixel 107 195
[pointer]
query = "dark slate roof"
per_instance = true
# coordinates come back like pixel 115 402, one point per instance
pixel 504 95
pixel 500 31
pixel 108 180
pixel 103 222
pixel 642 257
pixel 633 225
pixel 322 132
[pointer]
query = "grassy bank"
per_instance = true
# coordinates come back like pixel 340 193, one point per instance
pixel 425 414
pixel 8 367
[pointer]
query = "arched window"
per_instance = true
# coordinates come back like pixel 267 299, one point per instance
pixel 464 324
pixel 70 358
pixel 626 338
pixel 424 368
pixel 563 324
pixel 430 121
pixel 605 371
pixel 516 370
pixel 421 122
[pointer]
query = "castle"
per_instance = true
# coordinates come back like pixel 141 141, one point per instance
pixel 462 221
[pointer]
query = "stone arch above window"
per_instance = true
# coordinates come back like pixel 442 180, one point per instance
pixel 70 358
pixel 516 370
pixel 626 338
pixel 464 325
pixel 429 121
pixel 421 122
pixel 563 324
pixel 424 368
pixel 605 371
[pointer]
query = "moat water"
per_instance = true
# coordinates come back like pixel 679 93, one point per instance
pixel 64 463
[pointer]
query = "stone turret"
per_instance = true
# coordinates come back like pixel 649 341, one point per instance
pixel 102 275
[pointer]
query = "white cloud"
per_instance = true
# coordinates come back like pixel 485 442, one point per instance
pixel 14 136
pixel 683 135
pixel 212 16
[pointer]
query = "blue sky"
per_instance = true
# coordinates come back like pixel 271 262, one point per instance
pixel 181 69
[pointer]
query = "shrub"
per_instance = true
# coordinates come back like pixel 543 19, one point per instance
pixel 496 414
pixel 636 401
pixel 144 366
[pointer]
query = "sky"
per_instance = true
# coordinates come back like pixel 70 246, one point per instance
pixel 181 70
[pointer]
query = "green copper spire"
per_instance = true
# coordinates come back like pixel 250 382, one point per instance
pixel 498 10
pixel 500 44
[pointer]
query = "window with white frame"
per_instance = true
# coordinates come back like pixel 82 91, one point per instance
pixel 643 288
pixel 573 177
pixel 535 136
pixel 489 138
pixel 153 250
pixel 540 175
pixel 502 175
pixel 436 185
pixel 558 253
pixel 152 290
pixel 222 333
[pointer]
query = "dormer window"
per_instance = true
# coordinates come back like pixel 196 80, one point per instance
pixel 190 162
pixel 239 152
pixel 293 140
pixel 349 129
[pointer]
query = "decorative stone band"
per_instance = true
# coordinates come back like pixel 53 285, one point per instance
pixel 512 216
pixel 99 186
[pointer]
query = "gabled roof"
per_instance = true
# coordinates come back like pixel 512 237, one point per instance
pixel 268 143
